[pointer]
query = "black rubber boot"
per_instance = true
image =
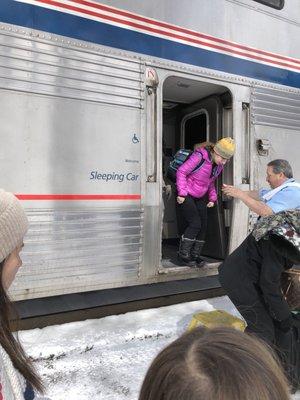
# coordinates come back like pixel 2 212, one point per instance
pixel 196 253
pixel 184 253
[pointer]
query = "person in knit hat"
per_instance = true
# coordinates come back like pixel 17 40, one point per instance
pixel 195 182
pixel 18 379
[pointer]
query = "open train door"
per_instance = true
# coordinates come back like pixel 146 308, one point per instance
pixel 200 122
pixel 195 111
pixel 275 131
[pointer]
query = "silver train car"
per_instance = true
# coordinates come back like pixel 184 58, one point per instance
pixel 97 96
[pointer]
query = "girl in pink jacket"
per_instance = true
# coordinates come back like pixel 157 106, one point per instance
pixel 196 191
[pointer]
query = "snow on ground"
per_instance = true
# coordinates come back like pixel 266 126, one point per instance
pixel 106 359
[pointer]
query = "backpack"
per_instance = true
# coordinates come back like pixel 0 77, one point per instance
pixel 180 157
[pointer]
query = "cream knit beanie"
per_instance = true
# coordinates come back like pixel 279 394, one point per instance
pixel 225 147
pixel 13 224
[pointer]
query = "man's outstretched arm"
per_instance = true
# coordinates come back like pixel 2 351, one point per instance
pixel 250 198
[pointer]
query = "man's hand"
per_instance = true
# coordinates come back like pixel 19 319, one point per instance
pixel 248 198
pixel 180 199
pixel 232 191
pixel 210 204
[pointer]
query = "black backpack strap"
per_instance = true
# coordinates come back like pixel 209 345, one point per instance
pixel 201 162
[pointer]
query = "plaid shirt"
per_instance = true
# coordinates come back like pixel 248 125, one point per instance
pixel 285 224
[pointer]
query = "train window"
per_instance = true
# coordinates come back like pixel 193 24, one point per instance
pixel 278 4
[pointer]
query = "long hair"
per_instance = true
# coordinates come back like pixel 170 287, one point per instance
pixel 208 145
pixel 215 364
pixel 11 344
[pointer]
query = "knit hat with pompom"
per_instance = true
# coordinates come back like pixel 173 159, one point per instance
pixel 225 147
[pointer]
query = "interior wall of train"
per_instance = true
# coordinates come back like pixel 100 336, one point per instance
pixel 194 112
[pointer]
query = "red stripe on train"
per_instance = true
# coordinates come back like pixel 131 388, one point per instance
pixel 78 196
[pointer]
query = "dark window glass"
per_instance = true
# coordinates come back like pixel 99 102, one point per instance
pixel 195 131
pixel 278 4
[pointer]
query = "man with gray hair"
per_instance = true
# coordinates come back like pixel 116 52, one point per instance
pixel 283 195
pixel 251 275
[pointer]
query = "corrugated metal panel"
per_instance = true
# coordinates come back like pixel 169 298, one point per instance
pixel 75 251
pixel 56 68
pixel 275 108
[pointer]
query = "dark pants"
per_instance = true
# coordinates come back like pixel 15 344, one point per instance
pixel 251 276
pixel 194 212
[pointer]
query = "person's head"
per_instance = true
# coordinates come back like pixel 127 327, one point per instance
pixel 13 227
pixel 278 171
pixel 215 364
pixel 223 150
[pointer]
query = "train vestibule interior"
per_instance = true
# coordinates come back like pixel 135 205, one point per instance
pixel 194 112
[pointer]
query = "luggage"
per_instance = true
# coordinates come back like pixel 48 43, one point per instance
pixel 290 284
pixel 212 319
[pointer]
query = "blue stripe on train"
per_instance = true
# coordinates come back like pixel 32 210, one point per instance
pixel 96 32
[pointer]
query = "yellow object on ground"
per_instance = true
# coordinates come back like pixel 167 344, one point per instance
pixel 212 319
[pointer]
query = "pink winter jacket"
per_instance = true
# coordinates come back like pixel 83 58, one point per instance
pixel 200 182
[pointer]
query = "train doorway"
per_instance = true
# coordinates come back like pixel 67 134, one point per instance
pixel 193 113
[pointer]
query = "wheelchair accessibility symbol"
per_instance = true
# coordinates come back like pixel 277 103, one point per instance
pixel 135 139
